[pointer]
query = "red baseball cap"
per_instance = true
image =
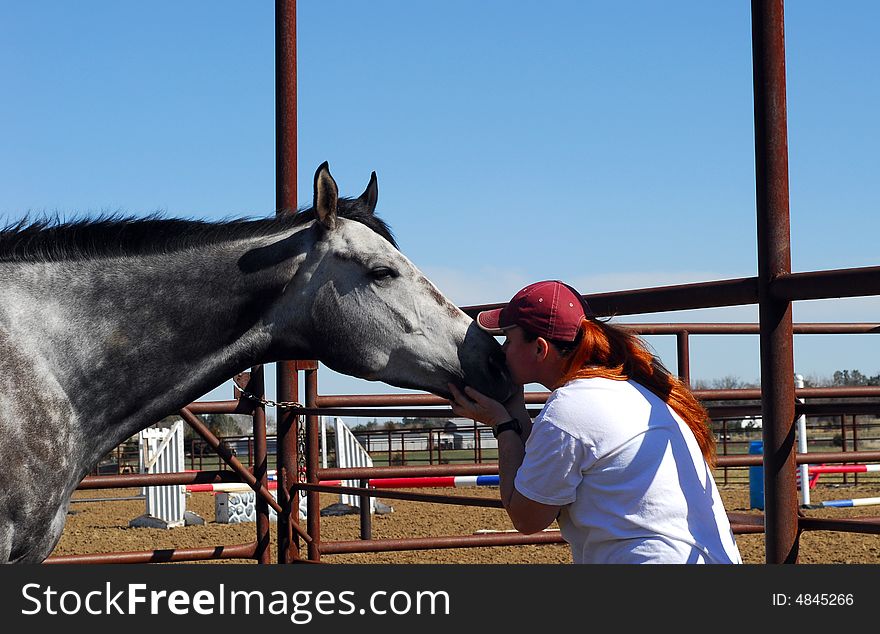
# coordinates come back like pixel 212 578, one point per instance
pixel 549 309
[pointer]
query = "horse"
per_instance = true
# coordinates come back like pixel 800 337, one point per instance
pixel 109 324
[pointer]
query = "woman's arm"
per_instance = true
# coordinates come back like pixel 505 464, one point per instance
pixel 527 515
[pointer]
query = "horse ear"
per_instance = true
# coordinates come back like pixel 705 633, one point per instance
pixel 326 196
pixel 371 194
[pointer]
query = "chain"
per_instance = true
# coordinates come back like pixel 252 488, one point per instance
pixel 268 402
pixel 301 450
pixel 300 428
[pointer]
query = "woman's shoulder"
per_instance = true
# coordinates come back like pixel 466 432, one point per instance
pixel 595 387
pixel 589 392
pixel 597 394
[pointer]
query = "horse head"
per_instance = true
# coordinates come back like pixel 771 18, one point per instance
pixel 358 305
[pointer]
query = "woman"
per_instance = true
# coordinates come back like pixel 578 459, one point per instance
pixel 621 454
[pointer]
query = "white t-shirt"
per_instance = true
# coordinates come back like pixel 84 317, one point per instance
pixel 629 476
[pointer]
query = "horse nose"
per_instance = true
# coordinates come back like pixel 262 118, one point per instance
pixel 499 372
pixel 498 365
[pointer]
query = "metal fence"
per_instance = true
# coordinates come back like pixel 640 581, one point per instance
pixel 773 290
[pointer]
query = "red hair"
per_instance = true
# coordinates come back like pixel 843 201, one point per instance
pixel 603 350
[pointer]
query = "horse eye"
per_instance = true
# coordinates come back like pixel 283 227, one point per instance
pixel 382 273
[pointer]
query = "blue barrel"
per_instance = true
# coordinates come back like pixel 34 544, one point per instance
pixel 756 477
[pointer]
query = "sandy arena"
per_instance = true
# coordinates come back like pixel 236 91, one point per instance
pixel 94 527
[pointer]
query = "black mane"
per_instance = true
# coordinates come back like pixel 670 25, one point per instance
pixel 113 236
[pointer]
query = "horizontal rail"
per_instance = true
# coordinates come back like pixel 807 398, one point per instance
pixel 395 494
pixel 241 406
pixel 237 551
pixel 377 400
pixel 715 411
pixel 831 409
pixel 869 525
pixel 342 401
pixel 751 460
pixel 740 523
pixel 853 282
pixel 416 471
pixel 156 479
pixel 754 394
pixel 734 292
pixel 746 523
pixel 431 543
pixel 130 498
pixel 745 328
pixel 489 468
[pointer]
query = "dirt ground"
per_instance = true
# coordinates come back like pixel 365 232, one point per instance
pixel 94 527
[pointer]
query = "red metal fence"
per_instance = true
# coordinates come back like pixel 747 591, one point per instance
pixel 773 290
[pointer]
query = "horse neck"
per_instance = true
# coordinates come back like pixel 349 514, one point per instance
pixel 130 340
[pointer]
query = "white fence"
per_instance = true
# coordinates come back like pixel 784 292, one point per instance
pixel 161 451
pixel 349 453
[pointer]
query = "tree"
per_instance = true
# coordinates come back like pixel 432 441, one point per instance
pixel 222 425
pixel 417 422
pixel 854 377
pixel 728 382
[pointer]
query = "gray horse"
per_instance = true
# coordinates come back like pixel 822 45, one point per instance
pixel 108 325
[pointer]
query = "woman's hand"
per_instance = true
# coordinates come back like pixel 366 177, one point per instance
pixel 476 406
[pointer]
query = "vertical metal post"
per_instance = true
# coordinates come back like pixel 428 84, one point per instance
pixel 287 387
pixel 366 509
pixel 313 523
pixel 774 261
pixel 285 105
pixel 256 385
pixel 684 357
pixel 287 462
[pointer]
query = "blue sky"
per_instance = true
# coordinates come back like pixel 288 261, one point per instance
pixel 609 144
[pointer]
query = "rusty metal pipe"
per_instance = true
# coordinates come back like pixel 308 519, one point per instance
pixel 856 282
pixel 741 328
pixel 342 401
pixel 870 525
pixel 238 551
pixel 312 471
pixel 287 462
pixel 774 262
pixel 238 406
pixel 261 466
pixel 122 481
pixel 285 106
pixel 286 202
pixel 824 457
pixel 683 356
pixel 734 292
pixel 430 543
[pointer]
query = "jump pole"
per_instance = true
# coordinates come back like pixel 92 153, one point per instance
pixel 850 468
pixel 845 503
pixel 376 483
pixel 847 468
